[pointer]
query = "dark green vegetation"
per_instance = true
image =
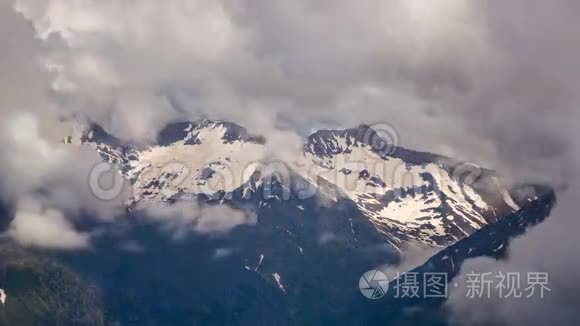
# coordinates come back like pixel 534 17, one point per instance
pixel 42 292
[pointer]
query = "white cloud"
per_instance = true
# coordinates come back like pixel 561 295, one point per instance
pixel 182 217
pixel 30 164
pixel 45 181
pixel 36 226
pixel 261 63
pixel 27 160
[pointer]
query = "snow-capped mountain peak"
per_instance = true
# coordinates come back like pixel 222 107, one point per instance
pixel 410 197
pixel 189 158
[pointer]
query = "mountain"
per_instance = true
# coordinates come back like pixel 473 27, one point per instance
pixel 319 224
pixel 410 197
pixel 491 241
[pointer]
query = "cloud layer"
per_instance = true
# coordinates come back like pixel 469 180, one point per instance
pixel 298 65
pixel 36 226
pixel 490 81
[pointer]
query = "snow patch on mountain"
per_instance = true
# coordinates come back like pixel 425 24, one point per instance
pixel 410 197
pixel 203 158
pixel 278 281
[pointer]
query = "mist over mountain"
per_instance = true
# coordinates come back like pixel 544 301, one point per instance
pixel 193 162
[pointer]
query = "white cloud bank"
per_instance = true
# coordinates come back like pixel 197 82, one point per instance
pixel 183 217
pixel 47 184
pixel 133 66
pixel 36 226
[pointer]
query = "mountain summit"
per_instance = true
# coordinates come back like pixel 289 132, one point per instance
pixel 410 197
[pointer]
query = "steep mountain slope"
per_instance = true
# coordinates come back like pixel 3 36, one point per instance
pixel 492 241
pixel 410 197
pixel 294 266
